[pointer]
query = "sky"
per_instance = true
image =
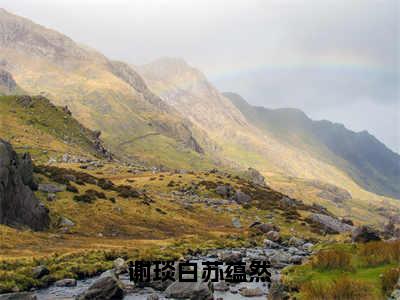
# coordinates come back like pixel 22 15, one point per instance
pixel 334 59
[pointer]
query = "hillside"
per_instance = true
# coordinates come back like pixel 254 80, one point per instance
pixel 104 95
pixel 48 132
pixel 366 160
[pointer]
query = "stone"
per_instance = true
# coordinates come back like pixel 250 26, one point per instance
pixel 221 286
pixel 51 197
pixel 364 234
pixel 18 296
pixel 296 259
pixel 277 292
pixel 273 235
pixel 256 177
pixel 120 265
pixel 236 223
pixel 152 297
pixel 40 271
pixel 190 290
pixel 296 242
pixel 51 188
pixel 251 292
pixel 308 247
pixel 65 222
pixel 242 198
pixel 270 244
pixel 67 282
pixel 225 191
pixel 18 204
pixel 329 224
pixel 231 257
pixel 105 287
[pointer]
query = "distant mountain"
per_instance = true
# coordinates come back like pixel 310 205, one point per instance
pixel 104 95
pixel 365 159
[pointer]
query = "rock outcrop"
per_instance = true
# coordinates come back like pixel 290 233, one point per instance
pixel 18 204
pixel 328 224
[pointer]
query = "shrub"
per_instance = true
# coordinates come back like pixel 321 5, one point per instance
pixel 340 289
pixel 332 259
pixel 389 279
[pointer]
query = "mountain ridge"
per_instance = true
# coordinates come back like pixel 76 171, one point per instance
pixel 365 153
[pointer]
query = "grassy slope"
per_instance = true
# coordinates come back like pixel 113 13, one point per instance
pixel 43 129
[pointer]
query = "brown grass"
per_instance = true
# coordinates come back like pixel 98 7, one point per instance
pixel 377 253
pixel 389 280
pixel 341 289
pixel 332 259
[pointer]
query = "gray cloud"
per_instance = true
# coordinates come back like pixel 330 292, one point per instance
pixel 335 59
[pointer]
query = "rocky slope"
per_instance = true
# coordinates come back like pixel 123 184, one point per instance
pixel 104 95
pixel 366 160
pixel 18 204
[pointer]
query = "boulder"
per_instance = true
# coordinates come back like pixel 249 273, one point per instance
pixel 329 224
pixel 225 191
pixel 18 204
pixel 277 292
pixel 68 282
pixel 18 296
pixel 51 188
pixel 65 222
pixel 242 198
pixel 40 271
pixel 271 245
pixel 273 236
pixel 120 266
pixel 364 234
pixel 221 286
pixel 190 290
pixel 251 292
pixel 152 297
pixel 395 295
pixel 231 257
pixel 105 287
pixel 255 176
pixel 296 242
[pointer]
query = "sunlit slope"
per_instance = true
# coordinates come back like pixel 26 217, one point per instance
pixel 360 155
pixel 35 125
pixel 102 94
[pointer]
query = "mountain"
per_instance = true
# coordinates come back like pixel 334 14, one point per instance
pixel 104 95
pixel 365 159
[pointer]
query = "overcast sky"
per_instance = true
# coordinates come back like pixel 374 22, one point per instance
pixel 334 59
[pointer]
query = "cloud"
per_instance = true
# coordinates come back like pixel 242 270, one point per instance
pixel 331 58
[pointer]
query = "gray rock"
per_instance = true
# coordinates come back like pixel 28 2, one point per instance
pixel 120 265
pixel 152 297
pixel 18 204
pixel 296 259
pixel 65 222
pixel 273 235
pixel 329 224
pixel 251 292
pixel 190 290
pixel 231 257
pixel 364 234
pixel 236 223
pixel 255 176
pixel 106 287
pixel 294 241
pixel 225 191
pixel 51 188
pixel 40 271
pixel 271 244
pixel 265 228
pixel 18 296
pixel 242 198
pixel 68 282
pixel 221 286
pixel 308 247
